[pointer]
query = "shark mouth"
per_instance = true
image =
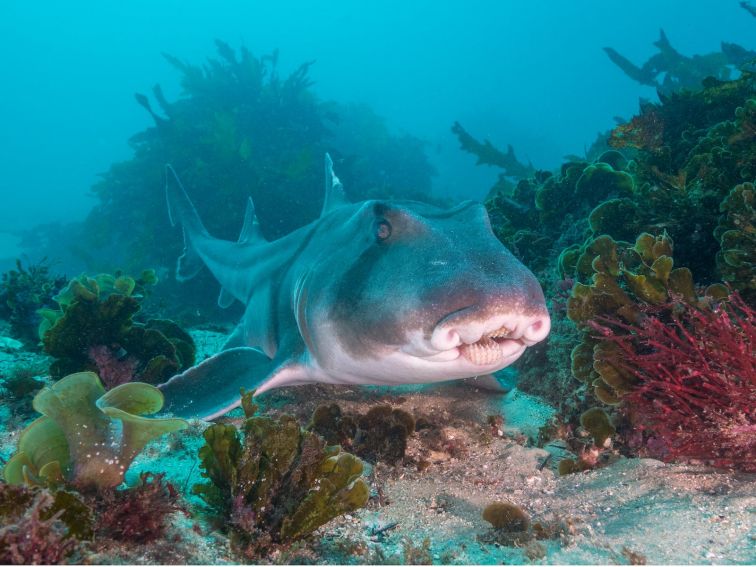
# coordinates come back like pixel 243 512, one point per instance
pixel 492 348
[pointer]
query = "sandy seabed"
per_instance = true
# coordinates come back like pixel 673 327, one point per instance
pixel 630 512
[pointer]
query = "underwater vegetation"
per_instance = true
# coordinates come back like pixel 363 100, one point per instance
pixel 93 329
pixel 76 443
pixel 678 71
pixel 137 514
pixel 694 395
pixel 23 292
pixel 506 516
pixel 748 7
pixel 655 235
pixel 41 526
pixel 273 482
pixel 60 491
pixel 488 154
pixel 240 129
pixel 378 435
pixel 56 525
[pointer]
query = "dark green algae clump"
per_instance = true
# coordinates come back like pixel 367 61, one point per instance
pixel 93 329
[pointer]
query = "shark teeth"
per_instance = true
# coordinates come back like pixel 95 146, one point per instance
pixel 491 347
pixel 502 333
pixel 485 351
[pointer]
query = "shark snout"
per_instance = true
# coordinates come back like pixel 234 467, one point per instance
pixel 466 327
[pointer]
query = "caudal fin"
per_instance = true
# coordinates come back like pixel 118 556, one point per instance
pixel 181 211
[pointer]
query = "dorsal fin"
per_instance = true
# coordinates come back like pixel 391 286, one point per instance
pixel 181 211
pixel 225 299
pixel 250 233
pixel 334 190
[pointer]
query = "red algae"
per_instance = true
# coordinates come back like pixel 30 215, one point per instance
pixel 696 397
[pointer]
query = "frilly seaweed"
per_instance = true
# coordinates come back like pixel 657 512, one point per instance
pixel 76 440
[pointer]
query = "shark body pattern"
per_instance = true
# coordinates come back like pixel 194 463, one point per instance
pixel 378 292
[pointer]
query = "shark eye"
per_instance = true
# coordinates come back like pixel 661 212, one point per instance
pixel 382 229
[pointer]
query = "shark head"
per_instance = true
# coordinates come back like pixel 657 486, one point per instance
pixel 409 292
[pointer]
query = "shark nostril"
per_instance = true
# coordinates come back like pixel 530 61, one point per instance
pixel 452 338
pixel 537 330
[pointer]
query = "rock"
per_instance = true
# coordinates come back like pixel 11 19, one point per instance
pixel 9 345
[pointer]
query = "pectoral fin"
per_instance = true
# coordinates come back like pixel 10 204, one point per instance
pixel 211 388
pixel 486 382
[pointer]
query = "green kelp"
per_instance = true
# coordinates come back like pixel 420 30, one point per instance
pixel 275 482
pixel 76 440
pixel 93 329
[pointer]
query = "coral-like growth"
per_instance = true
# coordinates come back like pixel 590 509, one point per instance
pixel 620 282
pixel 138 514
pixel 276 482
pixel 22 292
pixel 548 205
pixel 39 527
pixel 79 439
pixel 93 329
pixel 379 435
pixel 695 367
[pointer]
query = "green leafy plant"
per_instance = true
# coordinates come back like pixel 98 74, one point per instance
pixel 87 437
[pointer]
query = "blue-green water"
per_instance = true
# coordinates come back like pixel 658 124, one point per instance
pixel 612 147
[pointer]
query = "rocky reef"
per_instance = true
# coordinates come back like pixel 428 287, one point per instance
pixel 645 251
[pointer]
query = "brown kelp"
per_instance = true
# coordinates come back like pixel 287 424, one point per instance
pixel 669 70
